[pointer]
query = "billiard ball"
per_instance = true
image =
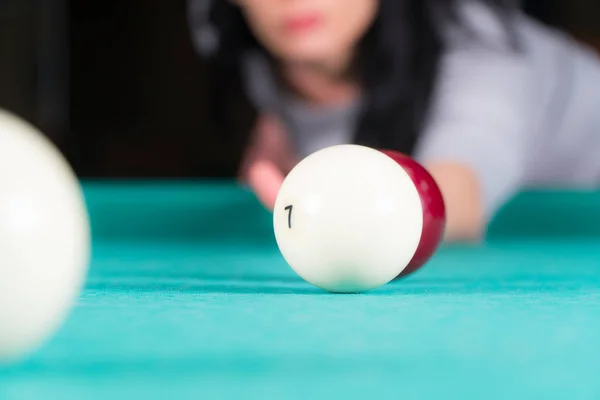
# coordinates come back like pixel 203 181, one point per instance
pixel 433 210
pixel 349 218
pixel 44 238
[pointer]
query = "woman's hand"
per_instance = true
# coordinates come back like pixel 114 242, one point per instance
pixel 268 160
pixel 462 195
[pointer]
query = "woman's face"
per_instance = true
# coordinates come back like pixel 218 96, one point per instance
pixel 309 31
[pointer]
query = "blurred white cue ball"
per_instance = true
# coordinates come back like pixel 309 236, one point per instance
pixel 348 219
pixel 45 239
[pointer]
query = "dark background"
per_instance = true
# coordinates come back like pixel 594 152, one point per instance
pixel 118 86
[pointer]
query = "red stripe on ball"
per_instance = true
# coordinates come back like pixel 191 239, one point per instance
pixel 434 210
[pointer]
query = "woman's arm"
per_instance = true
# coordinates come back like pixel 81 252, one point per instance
pixel 480 135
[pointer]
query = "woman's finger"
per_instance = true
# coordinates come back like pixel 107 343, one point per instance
pixel 265 179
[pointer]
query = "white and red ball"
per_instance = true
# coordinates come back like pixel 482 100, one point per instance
pixel 350 218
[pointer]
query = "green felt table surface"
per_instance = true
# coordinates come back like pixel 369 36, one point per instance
pixel 188 297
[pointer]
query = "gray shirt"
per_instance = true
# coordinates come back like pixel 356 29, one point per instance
pixel 518 119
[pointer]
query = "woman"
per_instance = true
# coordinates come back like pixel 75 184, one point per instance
pixel 486 99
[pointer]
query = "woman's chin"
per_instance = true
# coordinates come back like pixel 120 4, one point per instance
pixel 315 54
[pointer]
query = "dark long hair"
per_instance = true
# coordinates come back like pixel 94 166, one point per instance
pixel 397 65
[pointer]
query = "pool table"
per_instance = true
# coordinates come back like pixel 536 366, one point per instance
pixel 189 297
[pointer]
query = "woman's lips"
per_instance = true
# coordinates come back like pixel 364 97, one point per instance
pixel 302 23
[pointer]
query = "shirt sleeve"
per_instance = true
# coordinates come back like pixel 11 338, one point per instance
pixel 480 114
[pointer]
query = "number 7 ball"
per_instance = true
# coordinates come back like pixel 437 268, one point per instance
pixel 350 218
